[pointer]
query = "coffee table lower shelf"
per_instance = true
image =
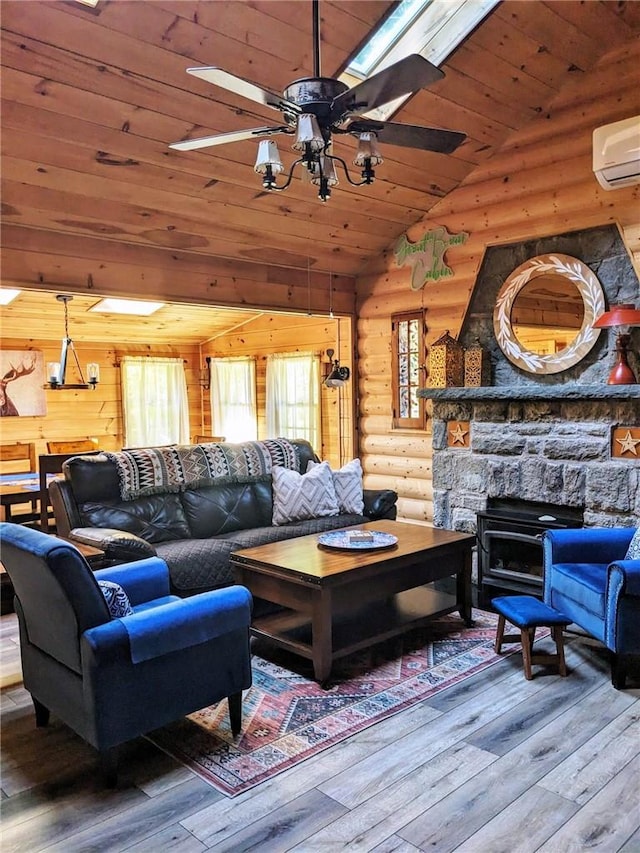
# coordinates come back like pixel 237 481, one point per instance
pixel 360 629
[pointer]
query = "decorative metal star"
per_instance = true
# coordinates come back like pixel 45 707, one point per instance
pixel 628 443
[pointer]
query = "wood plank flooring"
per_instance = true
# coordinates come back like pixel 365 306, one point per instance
pixel 496 764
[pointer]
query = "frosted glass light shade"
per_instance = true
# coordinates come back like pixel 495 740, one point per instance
pixel 308 134
pixel 368 150
pixel 328 172
pixel 53 371
pixel 268 155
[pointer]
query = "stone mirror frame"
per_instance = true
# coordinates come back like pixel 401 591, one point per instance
pixel 549 267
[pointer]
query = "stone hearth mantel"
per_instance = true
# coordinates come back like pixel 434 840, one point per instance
pixel 537 392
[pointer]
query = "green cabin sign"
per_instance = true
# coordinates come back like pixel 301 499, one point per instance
pixel 426 256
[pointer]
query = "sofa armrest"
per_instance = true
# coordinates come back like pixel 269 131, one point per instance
pixel 380 503
pixel 171 627
pixel 142 580
pixel 118 545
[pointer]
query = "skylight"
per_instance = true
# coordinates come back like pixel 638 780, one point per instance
pixel 126 306
pixel 386 36
pixel 7 295
pixel 432 28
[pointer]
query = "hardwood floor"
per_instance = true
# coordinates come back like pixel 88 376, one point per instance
pixel 496 763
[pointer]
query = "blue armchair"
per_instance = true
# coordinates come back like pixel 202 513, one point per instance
pixel 587 577
pixel 112 679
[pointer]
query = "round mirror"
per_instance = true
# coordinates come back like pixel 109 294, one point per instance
pixel 547 314
pixel 544 314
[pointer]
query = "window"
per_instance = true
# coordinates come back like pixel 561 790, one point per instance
pixel 293 396
pixel 432 28
pixel 408 355
pixel 154 401
pixel 233 398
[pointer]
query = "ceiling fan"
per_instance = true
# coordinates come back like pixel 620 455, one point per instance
pixel 314 109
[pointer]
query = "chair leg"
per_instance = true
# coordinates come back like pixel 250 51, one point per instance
pixel 235 712
pixel 527 636
pixel 500 634
pixel 618 671
pixel 556 631
pixel 42 713
pixel 109 766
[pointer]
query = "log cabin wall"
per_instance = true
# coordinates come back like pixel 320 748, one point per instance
pixel 285 333
pixel 76 414
pixel 540 183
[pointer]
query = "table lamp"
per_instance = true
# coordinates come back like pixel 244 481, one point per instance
pixel 622 318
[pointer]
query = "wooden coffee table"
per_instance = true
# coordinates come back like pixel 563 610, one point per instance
pixel 338 601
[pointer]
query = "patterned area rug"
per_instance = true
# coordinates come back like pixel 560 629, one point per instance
pixel 288 718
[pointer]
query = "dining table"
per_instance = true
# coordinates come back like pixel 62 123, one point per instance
pixel 16 489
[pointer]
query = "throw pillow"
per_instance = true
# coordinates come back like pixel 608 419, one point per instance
pixel 633 552
pixel 300 496
pixel 116 598
pixel 348 485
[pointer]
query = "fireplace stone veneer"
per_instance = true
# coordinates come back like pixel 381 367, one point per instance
pixel 550 445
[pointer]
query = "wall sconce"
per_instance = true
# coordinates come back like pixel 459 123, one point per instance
pixel 56 370
pixel 622 318
pixel 205 375
pixel 338 376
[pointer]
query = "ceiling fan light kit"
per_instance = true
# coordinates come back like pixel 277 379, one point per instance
pixel 318 108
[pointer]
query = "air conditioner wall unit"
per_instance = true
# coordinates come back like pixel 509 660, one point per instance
pixel 616 153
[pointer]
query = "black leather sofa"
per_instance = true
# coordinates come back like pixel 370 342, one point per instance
pixel 194 529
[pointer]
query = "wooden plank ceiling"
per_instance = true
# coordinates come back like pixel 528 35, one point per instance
pixel 92 97
pixel 37 314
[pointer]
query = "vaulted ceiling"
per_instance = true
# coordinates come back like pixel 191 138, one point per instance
pixel 92 97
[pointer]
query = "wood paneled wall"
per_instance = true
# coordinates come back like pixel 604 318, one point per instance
pixel 282 333
pixel 75 414
pixel 541 183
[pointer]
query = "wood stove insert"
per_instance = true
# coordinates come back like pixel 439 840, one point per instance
pixel 510 558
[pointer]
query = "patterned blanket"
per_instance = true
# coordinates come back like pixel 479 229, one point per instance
pixel 154 470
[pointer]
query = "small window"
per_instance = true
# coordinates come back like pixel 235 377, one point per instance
pixel 408 356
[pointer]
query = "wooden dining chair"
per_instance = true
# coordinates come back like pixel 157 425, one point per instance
pixel 19 458
pixel 206 439
pixel 51 463
pixel 79 445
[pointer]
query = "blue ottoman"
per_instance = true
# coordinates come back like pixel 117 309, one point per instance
pixel 528 613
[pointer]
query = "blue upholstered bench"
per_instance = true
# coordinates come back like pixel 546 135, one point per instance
pixel 528 613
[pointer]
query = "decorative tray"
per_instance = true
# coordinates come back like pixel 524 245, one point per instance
pixel 366 541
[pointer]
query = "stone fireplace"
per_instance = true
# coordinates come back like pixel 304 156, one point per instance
pixel 545 439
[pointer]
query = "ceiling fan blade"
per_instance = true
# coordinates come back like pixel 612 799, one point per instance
pixel 402 78
pixel 243 87
pixel 410 135
pixel 223 138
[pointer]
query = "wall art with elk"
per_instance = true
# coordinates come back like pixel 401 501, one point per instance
pixel 22 383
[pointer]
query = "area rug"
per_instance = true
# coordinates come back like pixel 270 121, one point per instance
pixel 288 718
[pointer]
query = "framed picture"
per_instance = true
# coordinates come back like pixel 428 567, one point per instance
pixel 22 383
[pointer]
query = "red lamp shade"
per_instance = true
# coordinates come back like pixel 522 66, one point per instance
pixel 624 316
pixel 618 315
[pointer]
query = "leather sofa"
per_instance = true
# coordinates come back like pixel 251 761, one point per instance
pixel 194 529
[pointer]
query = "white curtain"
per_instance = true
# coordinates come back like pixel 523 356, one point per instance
pixel 293 396
pixel 233 399
pixel 154 401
